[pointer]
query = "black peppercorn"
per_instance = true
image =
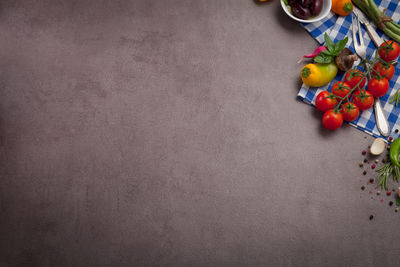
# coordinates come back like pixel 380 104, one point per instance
pixel 371 217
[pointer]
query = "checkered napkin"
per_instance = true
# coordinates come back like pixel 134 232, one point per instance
pixel 338 28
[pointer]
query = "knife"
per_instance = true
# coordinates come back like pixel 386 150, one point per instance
pixel 381 121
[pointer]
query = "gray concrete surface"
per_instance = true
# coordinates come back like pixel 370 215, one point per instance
pixel 167 133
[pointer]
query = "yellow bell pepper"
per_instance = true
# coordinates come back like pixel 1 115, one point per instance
pixel 317 74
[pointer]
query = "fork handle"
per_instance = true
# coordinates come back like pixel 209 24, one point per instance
pixel 381 122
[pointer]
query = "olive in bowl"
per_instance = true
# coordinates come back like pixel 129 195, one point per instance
pixel 307 10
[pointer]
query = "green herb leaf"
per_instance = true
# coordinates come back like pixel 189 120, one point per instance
pixel 324 57
pixel 397 201
pixel 329 43
pixel 334 49
pixel 340 45
pixel 286 2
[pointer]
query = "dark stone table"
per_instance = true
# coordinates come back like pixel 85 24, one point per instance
pixel 167 133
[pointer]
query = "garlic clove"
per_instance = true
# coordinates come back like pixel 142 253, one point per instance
pixel 378 146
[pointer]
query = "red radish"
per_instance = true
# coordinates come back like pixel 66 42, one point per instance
pixel 315 53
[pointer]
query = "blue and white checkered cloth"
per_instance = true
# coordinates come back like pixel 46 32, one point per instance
pixel 338 28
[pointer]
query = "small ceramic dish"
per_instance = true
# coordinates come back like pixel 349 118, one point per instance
pixel 326 7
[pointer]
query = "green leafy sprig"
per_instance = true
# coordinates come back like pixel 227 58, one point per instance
pixel 395 98
pixel 387 170
pixel 332 50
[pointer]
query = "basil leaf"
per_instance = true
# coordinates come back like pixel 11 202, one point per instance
pixel 340 45
pixel 398 202
pixel 329 43
pixel 286 2
pixel 324 57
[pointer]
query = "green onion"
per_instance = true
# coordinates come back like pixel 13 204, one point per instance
pixel 389 27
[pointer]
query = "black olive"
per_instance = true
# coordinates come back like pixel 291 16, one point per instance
pixel 316 7
pixel 301 12
pixel 306 3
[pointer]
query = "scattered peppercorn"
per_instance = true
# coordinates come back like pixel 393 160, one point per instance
pixel 371 217
pixel 377 160
pixel 383 160
pixel 391 203
pixel 373 166
pixel 363 187
pixel 364 172
pixel 378 193
pixel 365 160
pixel 364 152
pixel 396 131
pixel 396 209
pixel 371 180
pixel 388 192
pixel 361 164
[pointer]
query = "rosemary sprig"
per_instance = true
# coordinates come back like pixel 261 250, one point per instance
pixel 395 98
pixel 385 171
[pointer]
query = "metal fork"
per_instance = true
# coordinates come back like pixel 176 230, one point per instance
pixel 361 50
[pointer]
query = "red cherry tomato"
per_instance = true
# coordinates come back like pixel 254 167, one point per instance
pixel 325 101
pixel 354 76
pixel 341 89
pixel 384 69
pixel 378 87
pixel 389 51
pixel 363 99
pixel 332 120
pixel 350 111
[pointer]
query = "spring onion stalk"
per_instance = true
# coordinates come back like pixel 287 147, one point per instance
pixel 388 26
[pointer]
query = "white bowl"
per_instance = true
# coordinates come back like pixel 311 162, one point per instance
pixel 326 7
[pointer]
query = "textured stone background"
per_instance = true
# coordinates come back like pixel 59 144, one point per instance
pixel 167 133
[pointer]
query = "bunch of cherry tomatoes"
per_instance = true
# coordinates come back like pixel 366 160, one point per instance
pixel 348 97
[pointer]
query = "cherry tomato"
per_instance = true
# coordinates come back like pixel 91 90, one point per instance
pixel 350 111
pixel 325 101
pixel 352 78
pixel 363 99
pixel 378 87
pixel 384 69
pixel 389 51
pixel 332 119
pixel 341 89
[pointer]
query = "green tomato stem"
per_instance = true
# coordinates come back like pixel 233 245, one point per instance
pixel 357 87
